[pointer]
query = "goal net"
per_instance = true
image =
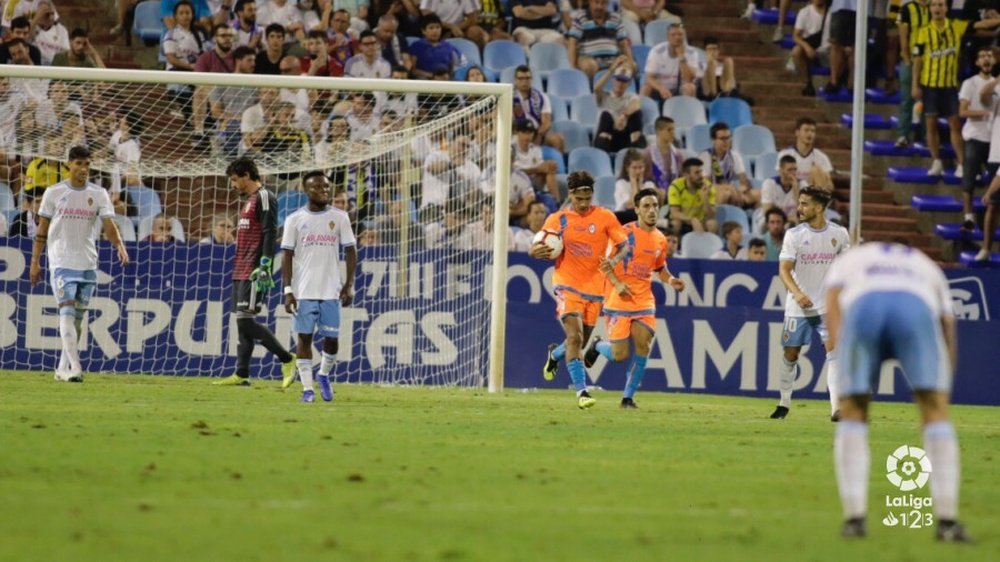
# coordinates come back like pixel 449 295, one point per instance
pixel 422 167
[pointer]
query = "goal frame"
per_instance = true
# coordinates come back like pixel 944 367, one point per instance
pixel 503 121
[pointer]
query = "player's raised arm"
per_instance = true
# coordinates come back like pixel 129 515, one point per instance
pixel 41 237
pixel 113 235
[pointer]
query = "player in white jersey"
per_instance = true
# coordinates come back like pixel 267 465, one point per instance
pixel 888 301
pixel 806 255
pixel 67 228
pixel 314 291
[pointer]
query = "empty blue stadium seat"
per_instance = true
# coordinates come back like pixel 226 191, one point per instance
pixel 640 53
pixel 698 138
pixel 147 24
pixel 872 121
pixel 583 110
pixel 633 32
pixel 954 231
pixel 916 174
pixel 546 57
pixel 567 83
pixel 726 213
pixel 499 54
pixel 765 165
pixel 468 49
pixel 559 110
pixel 604 191
pixel 941 203
pixel 769 16
pixel 968 259
pixel 550 153
pixel 593 160
pixel 650 111
pixel 878 96
pixel 696 245
pixel 753 140
pixel 731 111
pixel 887 148
pixel 574 133
pixel 920 149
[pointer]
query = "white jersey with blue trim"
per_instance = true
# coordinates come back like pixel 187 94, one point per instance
pixel 879 267
pixel 73 215
pixel 813 251
pixel 316 238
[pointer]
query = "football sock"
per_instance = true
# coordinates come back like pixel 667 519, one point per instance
pixel 326 363
pixel 78 322
pixel 852 461
pixel 305 367
pixel 559 353
pixel 578 374
pixel 635 373
pixel 941 445
pixel 833 381
pixel 785 381
pixel 604 348
pixel 244 349
pixel 68 334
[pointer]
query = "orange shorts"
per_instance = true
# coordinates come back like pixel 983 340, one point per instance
pixel 572 304
pixel 620 327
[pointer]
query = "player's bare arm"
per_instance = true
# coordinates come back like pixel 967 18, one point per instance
pixel 41 237
pixel 785 268
pixel 833 316
pixel 608 269
pixel 287 258
pixel 114 236
pixel 347 291
pixel 676 282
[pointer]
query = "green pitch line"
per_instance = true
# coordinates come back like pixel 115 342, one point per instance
pixel 166 468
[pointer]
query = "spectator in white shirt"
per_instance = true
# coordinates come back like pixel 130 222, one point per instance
pixel 286 14
pixel 368 63
pixel 670 68
pixel 977 129
pixel 50 36
pixel 537 213
pixel 726 169
pixel 631 180
pixel 527 157
pixel 812 41
pixel 732 236
pixel 782 191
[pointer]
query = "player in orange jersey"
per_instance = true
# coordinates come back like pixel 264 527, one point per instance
pixel 629 306
pixel 586 232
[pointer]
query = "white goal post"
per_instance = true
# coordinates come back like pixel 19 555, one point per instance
pixel 390 146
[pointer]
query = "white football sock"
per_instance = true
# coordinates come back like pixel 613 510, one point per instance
pixel 67 332
pixel 63 363
pixel 941 445
pixel 326 363
pixel 305 367
pixel 785 381
pixel 833 382
pixel 852 461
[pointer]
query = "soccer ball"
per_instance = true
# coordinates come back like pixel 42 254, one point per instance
pixel 551 239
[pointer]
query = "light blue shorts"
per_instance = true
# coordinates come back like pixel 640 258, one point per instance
pixel 74 285
pixel 318 317
pixel 892 325
pixel 798 330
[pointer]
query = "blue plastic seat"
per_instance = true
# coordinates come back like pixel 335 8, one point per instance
pixel 656 32
pixel 499 54
pixel 145 200
pixel 878 96
pixel 753 140
pixel 685 111
pixel 633 32
pixel 550 153
pixel 507 77
pixel 559 110
pixel 916 174
pixel 650 111
pixel 877 147
pixel 941 203
pixel 468 49
pixel 567 83
pixel 698 138
pixel 7 202
pixel 289 202
pixel 872 121
pixel 954 231
pixel 640 53
pixel 769 16
pixel 726 213
pixel 920 149
pixel 583 110
pixel 574 133
pixel 593 160
pixel 147 24
pixel 604 191
pixel 765 165
pixel 546 57
pixel 696 245
pixel 969 259
pixel 731 111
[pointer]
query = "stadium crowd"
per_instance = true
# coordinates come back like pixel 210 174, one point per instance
pixel 606 87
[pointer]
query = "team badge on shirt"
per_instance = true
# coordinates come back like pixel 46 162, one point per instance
pixel 332 225
pixel 592 228
pixel 834 242
pixel 90 201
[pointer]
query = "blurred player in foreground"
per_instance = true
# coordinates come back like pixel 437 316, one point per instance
pixel 888 301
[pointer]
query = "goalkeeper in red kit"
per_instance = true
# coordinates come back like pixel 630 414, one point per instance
pixel 252 276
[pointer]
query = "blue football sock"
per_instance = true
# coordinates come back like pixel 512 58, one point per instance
pixel 635 373
pixel 559 353
pixel 578 374
pixel 604 348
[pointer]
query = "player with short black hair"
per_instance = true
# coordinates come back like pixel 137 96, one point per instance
pixel 629 306
pixel 256 235
pixel 312 240
pixel 68 215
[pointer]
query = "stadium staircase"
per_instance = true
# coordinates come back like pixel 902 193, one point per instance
pixel 761 73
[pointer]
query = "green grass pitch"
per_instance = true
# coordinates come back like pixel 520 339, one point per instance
pixel 164 468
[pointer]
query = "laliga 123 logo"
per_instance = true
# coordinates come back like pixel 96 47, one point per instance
pixel 908 468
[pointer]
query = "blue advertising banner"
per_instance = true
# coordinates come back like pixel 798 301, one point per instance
pixel 720 336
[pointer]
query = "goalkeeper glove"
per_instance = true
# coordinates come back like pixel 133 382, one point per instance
pixel 262 276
